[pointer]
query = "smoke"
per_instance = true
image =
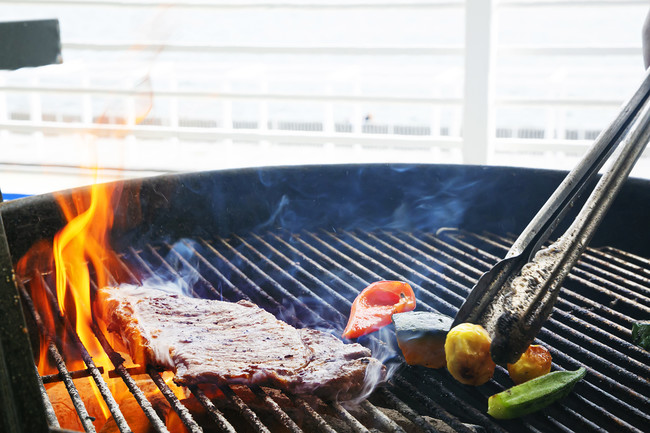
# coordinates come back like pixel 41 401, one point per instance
pixel 383 345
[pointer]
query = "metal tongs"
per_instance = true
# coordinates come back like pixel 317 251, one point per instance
pixel 514 298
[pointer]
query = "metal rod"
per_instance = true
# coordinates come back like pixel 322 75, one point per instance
pixel 244 410
pixel 52 420
pixel 76 374
pixel 95 373
pixel 348 418
pixel 84 417
pixel 117 360
pixel 470 412
pixel 215 415
pixel 323 426
pixel 177 406
pixel 378 416
pixel 409 413
pixel 281 415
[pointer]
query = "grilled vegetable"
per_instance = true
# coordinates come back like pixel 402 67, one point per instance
pixel 535 362
pixel 533 395
pixel 641 334
pixel 467 351
pixel 421 337
pixel 375 305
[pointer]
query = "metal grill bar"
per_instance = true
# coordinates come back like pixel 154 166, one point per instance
pixel 322 425
pixel 94 371
pixel 137 393
pixel 406 410
pixel 76 374
pixel 244 410
pixel 84 416
pixel 439 412
pixel 282 416
pixel 50 415
pixel 216 415
pixel 177 406
pixel 348 418
pixel 620 276
pixel 386 423
pixel 636 263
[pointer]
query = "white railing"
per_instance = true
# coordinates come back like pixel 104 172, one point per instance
pixel 469 130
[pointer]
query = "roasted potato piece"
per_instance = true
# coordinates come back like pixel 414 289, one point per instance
pixel 534 362
pixel 467 351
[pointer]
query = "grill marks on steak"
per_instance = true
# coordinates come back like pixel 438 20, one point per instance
pixel 209 341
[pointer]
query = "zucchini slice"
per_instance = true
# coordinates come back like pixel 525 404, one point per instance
pixel 421 337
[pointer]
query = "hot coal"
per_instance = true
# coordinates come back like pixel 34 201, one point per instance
pixel 209 341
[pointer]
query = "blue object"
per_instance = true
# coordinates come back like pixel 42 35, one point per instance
pixel 7 197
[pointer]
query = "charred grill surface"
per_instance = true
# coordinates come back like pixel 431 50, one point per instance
pixel 309 279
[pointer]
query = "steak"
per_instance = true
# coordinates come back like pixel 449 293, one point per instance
pixel 210 341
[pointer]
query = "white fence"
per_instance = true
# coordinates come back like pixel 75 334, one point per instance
pixel 44 113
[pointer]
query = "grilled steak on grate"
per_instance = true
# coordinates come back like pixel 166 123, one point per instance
pixel 209 341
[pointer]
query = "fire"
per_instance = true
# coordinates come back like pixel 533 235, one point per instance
pixel 79 254
pixel 82 242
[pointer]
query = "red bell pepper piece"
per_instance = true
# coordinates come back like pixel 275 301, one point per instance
pixel 376 304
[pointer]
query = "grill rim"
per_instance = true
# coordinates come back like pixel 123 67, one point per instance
pixel 500 200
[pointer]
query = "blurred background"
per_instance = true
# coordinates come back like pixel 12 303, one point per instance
pixel 150 87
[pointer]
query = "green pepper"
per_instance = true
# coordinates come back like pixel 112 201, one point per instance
pixel 641 334
pixel 533 395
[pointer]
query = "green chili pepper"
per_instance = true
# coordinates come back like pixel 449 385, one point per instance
pixel 533 395
pixel 641 334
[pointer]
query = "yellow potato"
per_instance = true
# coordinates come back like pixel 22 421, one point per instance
pixel 467 352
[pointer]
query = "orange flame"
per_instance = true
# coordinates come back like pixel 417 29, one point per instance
pixel 83 242
pixel 80 249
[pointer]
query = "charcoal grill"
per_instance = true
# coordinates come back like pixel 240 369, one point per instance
pixel 302 241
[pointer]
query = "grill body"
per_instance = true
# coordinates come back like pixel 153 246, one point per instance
pixel 302 241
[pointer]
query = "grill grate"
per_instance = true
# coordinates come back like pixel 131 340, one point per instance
pixel 311 278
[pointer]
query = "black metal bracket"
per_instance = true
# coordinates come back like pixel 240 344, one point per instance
pixel 29 43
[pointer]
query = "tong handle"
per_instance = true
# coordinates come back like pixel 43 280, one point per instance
pixel 493 288
pixel 548 217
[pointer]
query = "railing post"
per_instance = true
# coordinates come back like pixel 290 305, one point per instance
pixel 478 114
